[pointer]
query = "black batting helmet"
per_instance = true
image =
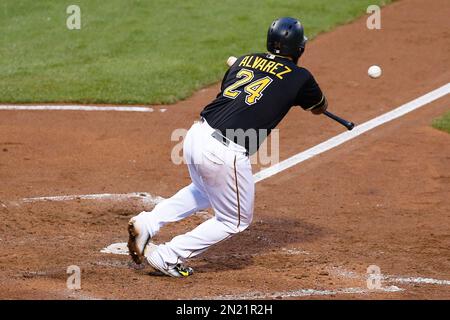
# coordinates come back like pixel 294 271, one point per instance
pixel 286 37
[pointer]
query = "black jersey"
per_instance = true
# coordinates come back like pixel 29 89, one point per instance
pixel 257 92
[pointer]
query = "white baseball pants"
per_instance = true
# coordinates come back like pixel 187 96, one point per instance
pixel 222 179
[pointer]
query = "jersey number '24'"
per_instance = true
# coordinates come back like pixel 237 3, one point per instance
pixel 254 90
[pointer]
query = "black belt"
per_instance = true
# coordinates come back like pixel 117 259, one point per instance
pixel 219 137
pixel 217 134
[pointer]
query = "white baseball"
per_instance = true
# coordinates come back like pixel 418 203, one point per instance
pixel 231 60
pixel 374 72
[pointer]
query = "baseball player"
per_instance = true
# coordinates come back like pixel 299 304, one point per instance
pixel 256 93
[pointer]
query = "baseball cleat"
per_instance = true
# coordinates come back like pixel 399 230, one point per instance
pixel 138 237
pixel 177 271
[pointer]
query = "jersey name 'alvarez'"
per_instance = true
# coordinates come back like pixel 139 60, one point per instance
pixel 276 68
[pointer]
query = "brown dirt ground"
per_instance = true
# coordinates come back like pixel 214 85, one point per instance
pixel 382 198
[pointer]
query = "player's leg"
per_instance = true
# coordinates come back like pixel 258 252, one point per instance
pixel 230 189
pixel 144 226
pixel 187 201
pixel 184 203
pixel 190 244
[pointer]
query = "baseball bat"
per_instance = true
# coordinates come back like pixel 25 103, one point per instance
pixel 349 125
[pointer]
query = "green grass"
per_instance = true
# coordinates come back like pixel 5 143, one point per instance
pixel 140 51
pixel 442 123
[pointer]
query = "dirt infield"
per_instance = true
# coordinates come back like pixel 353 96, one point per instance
pixel 380 199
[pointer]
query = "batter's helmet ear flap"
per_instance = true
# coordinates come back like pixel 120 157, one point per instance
pixel 303 45
pixel 285 36
pixel 304 42
pixel 301 49
pixel 295 59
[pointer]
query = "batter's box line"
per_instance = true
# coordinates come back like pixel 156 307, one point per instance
pixel 256 295
pixel 145 197
pixel 121 248
pixel 343 273
pixel 26 107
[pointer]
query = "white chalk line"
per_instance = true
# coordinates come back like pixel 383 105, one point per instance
pixel 146 199
pixel 314 292
pixel 340 272
pixel 418 280
pixel 301 293
pixel 76 108
pixel 144 196
pixel 121 248
pixel 358 130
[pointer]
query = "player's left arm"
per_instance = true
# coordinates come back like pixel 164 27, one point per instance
pixel 310 97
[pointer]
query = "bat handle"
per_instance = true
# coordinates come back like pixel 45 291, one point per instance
pixel 349 125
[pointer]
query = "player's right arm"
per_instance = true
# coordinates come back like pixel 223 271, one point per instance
pixel 321 107
pixel 310 97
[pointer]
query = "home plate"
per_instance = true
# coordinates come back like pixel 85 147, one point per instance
pixel 116 248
